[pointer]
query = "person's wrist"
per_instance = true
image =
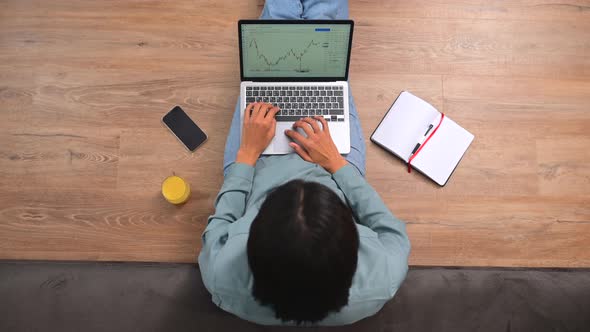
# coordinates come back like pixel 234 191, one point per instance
pixel 246 156
pixel 336 164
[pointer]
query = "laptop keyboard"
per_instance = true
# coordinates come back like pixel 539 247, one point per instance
pixel 296 102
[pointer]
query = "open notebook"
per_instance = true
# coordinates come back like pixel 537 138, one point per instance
pixel 406 124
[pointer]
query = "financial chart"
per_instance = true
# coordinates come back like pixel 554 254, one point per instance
pixel 295 50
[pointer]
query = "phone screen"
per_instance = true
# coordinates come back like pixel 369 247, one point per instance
pixel 184 128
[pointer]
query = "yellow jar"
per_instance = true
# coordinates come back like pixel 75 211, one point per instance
pixel 175 190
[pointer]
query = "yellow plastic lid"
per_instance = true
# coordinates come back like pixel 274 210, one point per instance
pixel 175 189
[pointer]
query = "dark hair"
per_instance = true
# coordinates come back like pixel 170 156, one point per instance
pixel 302 251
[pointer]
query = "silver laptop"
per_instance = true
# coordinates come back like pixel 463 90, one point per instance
pixel 301 66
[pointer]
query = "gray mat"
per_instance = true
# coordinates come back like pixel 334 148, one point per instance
pixel 49 296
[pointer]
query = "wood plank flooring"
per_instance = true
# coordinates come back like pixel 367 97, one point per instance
pixel 84 84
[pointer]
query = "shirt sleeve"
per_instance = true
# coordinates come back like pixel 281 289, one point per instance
pixel 370 211
pixel 230 205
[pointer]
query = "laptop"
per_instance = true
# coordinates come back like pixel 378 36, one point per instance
pixel 301 66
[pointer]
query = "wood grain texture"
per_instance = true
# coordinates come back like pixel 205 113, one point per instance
pixel 84 84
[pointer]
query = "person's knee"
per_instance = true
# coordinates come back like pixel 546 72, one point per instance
pixel 282 9
pixel 325 9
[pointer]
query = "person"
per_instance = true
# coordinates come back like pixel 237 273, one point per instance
pixel 302 238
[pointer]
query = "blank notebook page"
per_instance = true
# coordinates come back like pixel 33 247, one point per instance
pixel 439 157
pixel 403 124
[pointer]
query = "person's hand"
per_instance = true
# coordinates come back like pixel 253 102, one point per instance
pixel 258 131
pixel 318 147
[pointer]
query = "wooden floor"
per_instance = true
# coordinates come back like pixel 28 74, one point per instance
pixel 84 84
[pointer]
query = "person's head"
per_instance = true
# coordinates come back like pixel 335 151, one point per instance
pixel 302 251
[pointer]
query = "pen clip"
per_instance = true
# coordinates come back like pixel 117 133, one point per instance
pixel 428 130
pixel 415 149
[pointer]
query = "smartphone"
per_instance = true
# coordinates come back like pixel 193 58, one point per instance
pixel 184 128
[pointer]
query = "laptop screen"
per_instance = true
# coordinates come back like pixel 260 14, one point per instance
pixel 301 51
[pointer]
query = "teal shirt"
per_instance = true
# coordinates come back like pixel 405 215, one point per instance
pixel 383 250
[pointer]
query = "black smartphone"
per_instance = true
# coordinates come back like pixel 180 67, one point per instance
pixel 184 128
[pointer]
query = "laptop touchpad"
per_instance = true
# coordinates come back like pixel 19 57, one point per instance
pixel 281 141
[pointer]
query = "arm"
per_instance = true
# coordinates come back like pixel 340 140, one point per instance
pixel 229 206
pixel 370 211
